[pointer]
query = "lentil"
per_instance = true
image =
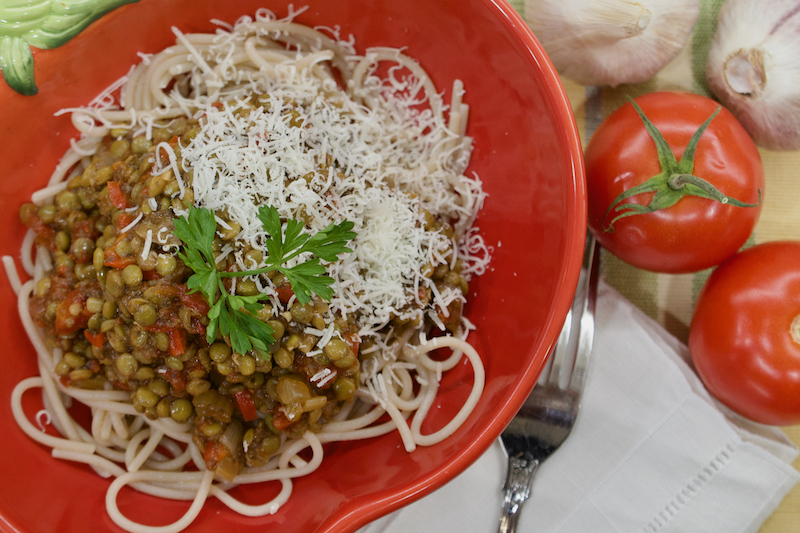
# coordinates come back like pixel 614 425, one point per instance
pixel 132 275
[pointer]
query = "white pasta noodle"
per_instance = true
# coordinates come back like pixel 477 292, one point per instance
pixel 211 77
pixel 42 195
pixel 26 254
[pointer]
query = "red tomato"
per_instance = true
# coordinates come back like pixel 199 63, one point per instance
pixel 745 333
pixel 696 232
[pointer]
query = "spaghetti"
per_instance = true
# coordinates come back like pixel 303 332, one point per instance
pixel 266 111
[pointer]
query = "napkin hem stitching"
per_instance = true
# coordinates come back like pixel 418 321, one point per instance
pixel 692 488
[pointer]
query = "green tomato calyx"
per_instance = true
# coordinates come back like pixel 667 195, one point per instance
pixel 675 181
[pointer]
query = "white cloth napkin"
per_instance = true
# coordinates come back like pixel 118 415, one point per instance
pixel 651 452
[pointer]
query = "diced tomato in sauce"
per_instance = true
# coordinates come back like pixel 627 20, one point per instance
pixel 66 322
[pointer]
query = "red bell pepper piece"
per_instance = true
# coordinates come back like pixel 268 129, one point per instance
pixel 112 259
pixel 176 378
pixel 214 453
pixel 124 219
pixel 279 419
pixel 246 405
pixel 177 341
pixel 284 291
pixel 150 275
pixel 353 342
pixel 95 339
pixel 196 302
pixel 117 196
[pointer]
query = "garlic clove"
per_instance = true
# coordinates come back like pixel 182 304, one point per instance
pixel 609 42
pixel 754 69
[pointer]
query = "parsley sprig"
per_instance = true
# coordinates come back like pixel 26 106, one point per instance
pixel 234 315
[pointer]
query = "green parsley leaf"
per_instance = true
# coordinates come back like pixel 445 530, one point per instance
pixel 204 278
pixel 197 232
pixel 329 243
pixel 308 277
pixel 234 316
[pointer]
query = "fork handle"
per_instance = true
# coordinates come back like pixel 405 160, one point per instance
pixel 516 490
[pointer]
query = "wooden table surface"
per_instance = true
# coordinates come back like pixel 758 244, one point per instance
pixel 786 518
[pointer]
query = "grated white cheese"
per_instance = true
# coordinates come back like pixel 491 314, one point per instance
pixel 148 241
pixel 388 168
pixel 321 378
pixel 373 152
pixel 136 220
pixel 324 335
pixel 173 165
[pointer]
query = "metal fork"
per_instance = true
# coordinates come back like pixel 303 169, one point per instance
pixel 547 416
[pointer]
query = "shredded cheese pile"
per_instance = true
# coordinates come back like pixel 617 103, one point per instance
pixel 319 155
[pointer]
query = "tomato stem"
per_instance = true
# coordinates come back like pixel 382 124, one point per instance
pixel 679 181
pixel 675 181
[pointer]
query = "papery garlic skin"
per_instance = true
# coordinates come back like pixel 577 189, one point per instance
pixel 610 42
pixel 754 68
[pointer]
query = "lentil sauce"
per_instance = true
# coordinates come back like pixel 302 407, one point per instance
pixel 123 316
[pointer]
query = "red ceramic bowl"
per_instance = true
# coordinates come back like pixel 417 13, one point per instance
pixel 527 152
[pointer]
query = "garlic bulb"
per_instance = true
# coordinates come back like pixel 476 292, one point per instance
pixel 754 68
pixel 609 42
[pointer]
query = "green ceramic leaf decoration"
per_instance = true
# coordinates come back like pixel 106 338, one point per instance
pixel 16 64
pixel 67 18
pixel 20 16
pixel 45 24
